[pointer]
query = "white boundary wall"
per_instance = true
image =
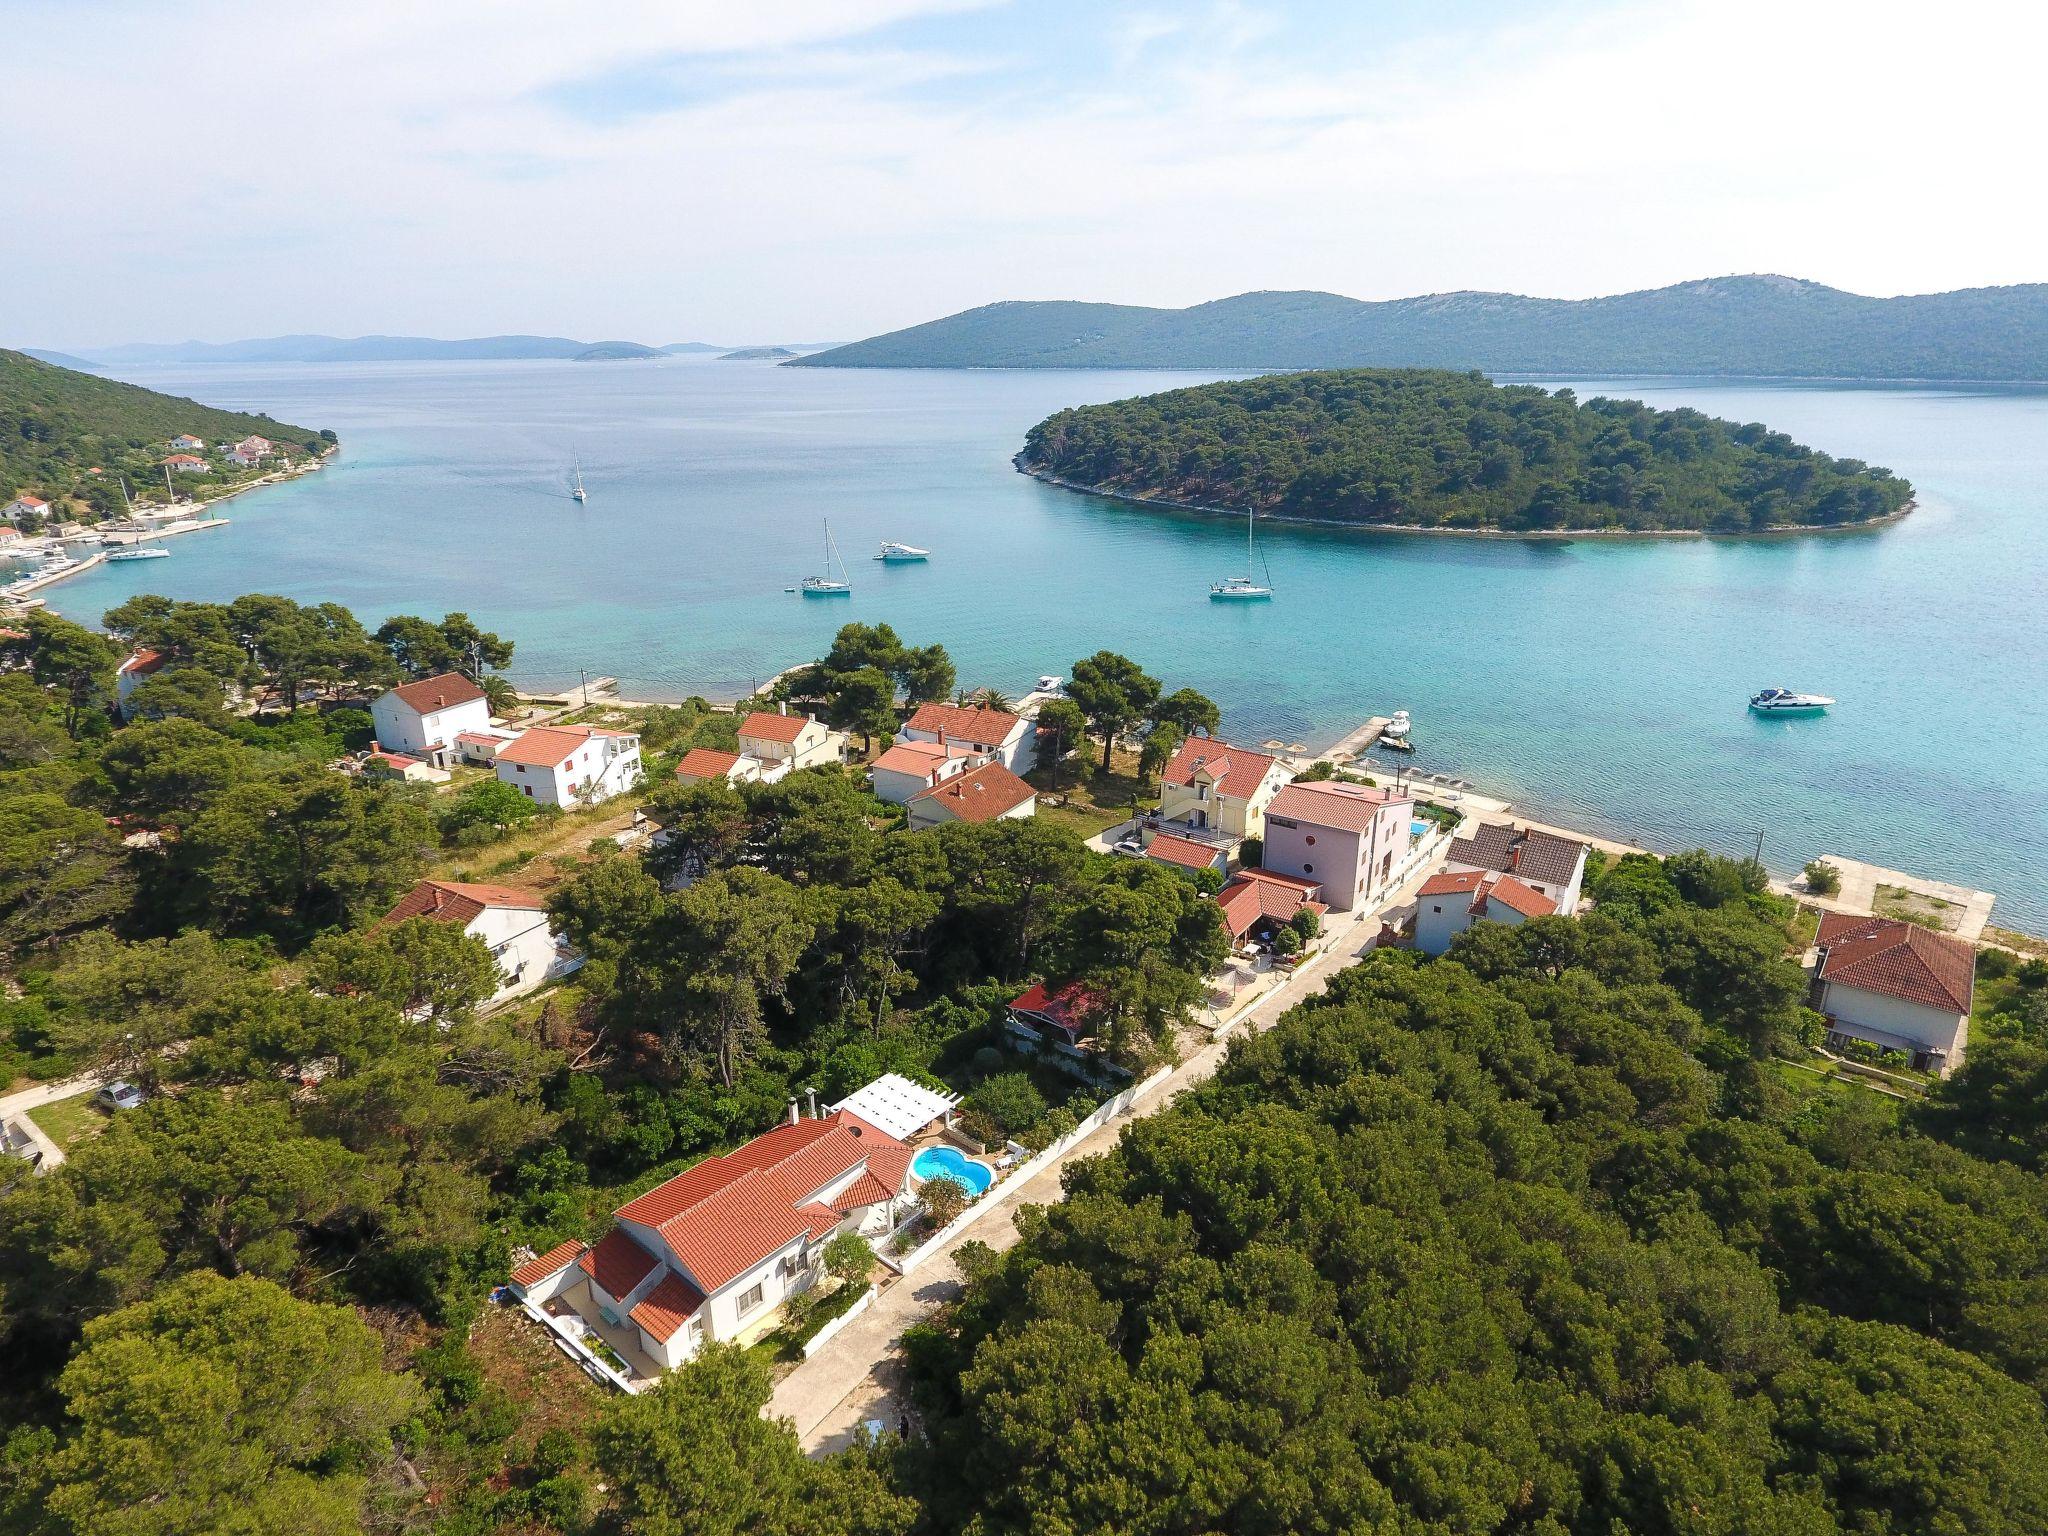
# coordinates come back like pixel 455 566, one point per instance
pixel 1098 1117
pixel 825 1335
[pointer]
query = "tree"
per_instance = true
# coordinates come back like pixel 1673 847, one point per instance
pixel 925 673
pixel 1063 719
pixel 1193 712
pixel 739 935
pixel 74 662
pixel 941 1200
pixel 488 803
pixel 849 1259
pixel 166 771
pixel 703 826
pixel 874 926
pixel 121 1006
pixel 858 646
pixel 1161 742
pixel 422 968
pixel 1010 1099
pixel 1113 693
pixel 61 869
pixel 222 1405
pixel 864 700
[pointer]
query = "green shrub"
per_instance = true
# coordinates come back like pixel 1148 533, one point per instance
pixel 1011 1100
pixel 1822 878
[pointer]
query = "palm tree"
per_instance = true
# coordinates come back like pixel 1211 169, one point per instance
pixel 989 698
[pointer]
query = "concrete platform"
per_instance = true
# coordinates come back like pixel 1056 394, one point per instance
pixel 1858 895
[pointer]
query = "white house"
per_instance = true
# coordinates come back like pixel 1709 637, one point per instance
pixel 422 719
pixel 910 768
pixel 185 464
pixel 782 743
pixel 24 506
pixel 992 733
pixel 1555 866
pixel 570 765
pixel 1452 900
pixel 988 793
pixel 185 442
pixel 714 1253
pixel 1348 838
pixel 704 765
pixel 1895 985
pixel 512 923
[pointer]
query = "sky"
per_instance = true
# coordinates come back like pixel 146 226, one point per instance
pixel 820 170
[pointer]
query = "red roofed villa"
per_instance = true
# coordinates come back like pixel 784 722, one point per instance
pixel 706 765
pixel 988 793
pixel 1452 900
pixel 714 1253
pixel 570 765
pixel 422 719
pixel 1212 792
pixel 993 733
pixel 512 923
pixel 782 743
pixel 1896 986
pixel 1057 1024
pixel 1257 901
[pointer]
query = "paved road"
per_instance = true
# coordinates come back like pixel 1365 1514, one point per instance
pixel 14 1108
pixel 858 1375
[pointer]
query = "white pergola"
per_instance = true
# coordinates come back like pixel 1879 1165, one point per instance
pixel 896 1106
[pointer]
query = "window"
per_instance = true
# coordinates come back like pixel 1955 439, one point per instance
pixel 1310 839
pixel 1436 909
pixel 750 1298
pixel 1308 869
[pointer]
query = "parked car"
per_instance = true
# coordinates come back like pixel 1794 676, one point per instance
pixel 119 1094
pixel 1129 847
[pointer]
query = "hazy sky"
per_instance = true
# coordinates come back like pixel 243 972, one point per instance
pixel 766 170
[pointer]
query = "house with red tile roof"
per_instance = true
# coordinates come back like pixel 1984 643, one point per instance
pixel 512 923
pixel 379 764
pixel 995 734
pixel 1897 986
pixel 1348 838
pixel 422 719
pixel 570 765
pixel 185 442
pixel 1452 900
pixel 988 793
pixel 1057 1024
pixel 708 765
pixel 1185 853
pixel 138 668
pixel 25 506
pixel 1554 865
pixel 185 464
pixel 909 768
pixel 782 743
pixel 1255 902
pixel 1212 792
pixel 713 1254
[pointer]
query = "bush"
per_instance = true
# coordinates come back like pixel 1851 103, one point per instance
pixel 988 1061
pixel 1822 878
pixel 559 1504
pixel 554 1453
pixel 848 1258
pixel 1011 1100
pixel 1059 1122
pixel 1251 853
pixel 941 1200
pixel 1306 923
pixel 1994 965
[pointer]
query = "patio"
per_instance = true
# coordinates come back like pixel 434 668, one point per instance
pixel 575 1314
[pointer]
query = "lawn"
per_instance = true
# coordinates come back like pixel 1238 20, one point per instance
pixel 1089 800
pixel 70 1121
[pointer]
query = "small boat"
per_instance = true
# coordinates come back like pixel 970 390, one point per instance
pixel 576 491
pixel 1051 684
pixel 902 554
pixel 1783 701
pixel 1396 729
pixel 826 585
pixel 140 553
pixel 1241 589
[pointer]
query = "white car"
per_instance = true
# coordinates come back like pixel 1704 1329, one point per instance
pixel 1129 847
pixel 119 1094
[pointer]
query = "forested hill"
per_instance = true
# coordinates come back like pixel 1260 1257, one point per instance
pixel 1432 449
pixel 1755 326
pixel 57 423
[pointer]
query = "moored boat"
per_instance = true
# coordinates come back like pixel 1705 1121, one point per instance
pixel 1783 701
pixel 893 553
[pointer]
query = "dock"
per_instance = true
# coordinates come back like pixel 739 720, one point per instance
pixel 167 531
pixel 28 584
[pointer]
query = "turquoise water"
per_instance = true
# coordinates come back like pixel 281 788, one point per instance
pixel 951 1163
pixel 1595 682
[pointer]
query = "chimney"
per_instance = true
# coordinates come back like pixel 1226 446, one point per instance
pixel 793 1115
pixel 782 706
pixel 811 1094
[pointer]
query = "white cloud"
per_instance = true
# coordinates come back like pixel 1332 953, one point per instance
pixel 807 169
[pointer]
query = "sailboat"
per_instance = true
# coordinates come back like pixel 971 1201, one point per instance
pixel 577 490
pixel 825 586
pixel 1242 589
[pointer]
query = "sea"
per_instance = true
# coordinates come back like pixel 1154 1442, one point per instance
pixel 1598 683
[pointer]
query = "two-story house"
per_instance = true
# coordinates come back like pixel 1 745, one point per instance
pixel 988 793
pixel 1895 985
pixel 1554 866
pixel 423 719
pixel 512 923
pixel 782 743
pixel 909 768
pixel 1348 838
pixel 1214 793
pixel 1452 900
pixel 570 765
pixel 993 734
pixel 713 1253
pixel 707 765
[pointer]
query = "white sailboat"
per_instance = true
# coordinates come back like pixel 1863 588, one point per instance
pixel 577 490
pixel 826 585
pixel 1242 589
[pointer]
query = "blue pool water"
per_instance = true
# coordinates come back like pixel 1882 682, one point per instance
pixel 952 1163
pixel 1600 684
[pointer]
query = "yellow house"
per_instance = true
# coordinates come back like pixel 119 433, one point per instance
pixel 1214 792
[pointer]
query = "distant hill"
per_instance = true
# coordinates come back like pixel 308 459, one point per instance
pixel 618 351
pixel 757 355
pixel 685 348
pixel 1417 447
pixel 56 424
pixel 61 359
pixel 1757 326
pixel 337 349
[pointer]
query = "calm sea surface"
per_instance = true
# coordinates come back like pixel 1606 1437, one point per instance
pixel 1598 683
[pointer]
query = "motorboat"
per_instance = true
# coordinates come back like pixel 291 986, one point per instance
pixel 1783 701
pixel 140 553
pixel 1397 728
pixel 893 553
pixel 828 585
pixel 1242 589
pixel 1051 684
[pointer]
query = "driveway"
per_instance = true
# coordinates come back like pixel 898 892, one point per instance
pixel 858 1375
pixel 14 1109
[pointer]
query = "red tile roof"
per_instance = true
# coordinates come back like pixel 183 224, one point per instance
pixel 1902 960
pixel 553 1262
pixel 706 763
pixel 979 794
pixel 763 726
pixel 548 746
pixel 144 660
pixel 1526 852
pixel 965 722
pixel 432 693
pixel 1169 849
pixel 1072 1007
pixel 914 757
pixel 1236 771
pixel 727 1214
pixel 1349 807
pixel 452 901
pixel 1451 882
pixel 1525 899
pixel 667 1307
pixel 617 1263
pixel 1253 894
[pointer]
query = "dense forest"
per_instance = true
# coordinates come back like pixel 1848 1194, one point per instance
pixel 1449 450
pixel 57 424
pixel 1740 326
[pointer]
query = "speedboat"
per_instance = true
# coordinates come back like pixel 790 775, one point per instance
pixel 1397 728
pixel 1783 701
pixel 902 554
pixel 1051 684
pixel 140 553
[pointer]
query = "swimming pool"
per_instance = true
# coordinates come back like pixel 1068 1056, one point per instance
pixel 952 1163
pixel 1418 828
